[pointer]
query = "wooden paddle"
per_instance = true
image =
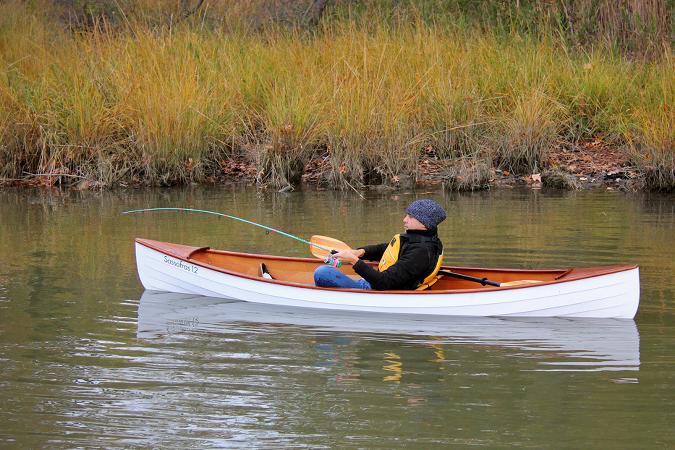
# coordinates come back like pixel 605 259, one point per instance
pixel 321 246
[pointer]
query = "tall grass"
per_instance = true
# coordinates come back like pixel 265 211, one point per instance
pixel 528 131
pixel 650 132
pixel 172 104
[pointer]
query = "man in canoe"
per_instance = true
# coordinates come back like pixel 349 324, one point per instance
pixel 409 261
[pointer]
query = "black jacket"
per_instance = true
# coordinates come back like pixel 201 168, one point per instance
pixel 417 258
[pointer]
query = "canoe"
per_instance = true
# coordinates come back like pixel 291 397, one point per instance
pixel 598 292
pixel 603 344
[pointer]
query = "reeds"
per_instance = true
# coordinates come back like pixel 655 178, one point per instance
pixel 652 148
pixel 468 174
pixel 171 104
pixel 528 131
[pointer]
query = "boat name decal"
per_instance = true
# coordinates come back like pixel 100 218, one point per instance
pixel 181 265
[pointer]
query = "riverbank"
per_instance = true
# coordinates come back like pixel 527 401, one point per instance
pixel 348 105
pixel 588 166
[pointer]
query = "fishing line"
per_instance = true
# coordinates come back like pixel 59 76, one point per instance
pixel 204 211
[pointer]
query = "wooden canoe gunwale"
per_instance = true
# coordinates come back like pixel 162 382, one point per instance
pixel 186 253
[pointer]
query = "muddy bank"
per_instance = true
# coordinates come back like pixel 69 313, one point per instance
pixel 588 165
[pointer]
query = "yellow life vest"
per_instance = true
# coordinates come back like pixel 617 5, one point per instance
pixel 390 256
pixel 433 276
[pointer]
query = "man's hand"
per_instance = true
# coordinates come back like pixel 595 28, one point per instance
pixel 349 256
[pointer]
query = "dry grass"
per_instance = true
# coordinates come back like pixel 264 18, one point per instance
pixel 648 129
pixel 653 148
pixel 468 174
pixel 168 104
pixel 529 130
pixel 558 179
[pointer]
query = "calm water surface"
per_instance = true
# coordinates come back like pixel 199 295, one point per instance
pixel 90 360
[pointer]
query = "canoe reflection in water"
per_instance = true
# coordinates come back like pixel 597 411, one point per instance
pixel 577 344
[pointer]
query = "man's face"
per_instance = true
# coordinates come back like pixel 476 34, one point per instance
pixel 410 223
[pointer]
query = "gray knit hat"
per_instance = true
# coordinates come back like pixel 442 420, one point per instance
pixel 426 211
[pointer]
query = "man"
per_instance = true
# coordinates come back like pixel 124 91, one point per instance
pixel 409 261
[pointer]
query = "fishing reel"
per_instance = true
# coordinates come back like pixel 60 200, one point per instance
pixel 332 261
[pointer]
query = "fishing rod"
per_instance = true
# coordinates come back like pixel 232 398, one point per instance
pixel 204 211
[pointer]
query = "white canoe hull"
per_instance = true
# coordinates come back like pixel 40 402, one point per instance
pixel 612 295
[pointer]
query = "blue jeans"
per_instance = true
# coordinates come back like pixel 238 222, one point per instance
pixel 327 276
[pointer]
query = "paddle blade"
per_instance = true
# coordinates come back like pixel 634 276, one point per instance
pixel 322 245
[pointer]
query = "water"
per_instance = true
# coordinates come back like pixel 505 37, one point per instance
pixel 90 360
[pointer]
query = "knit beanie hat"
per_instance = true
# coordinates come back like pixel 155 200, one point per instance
pixel 426 211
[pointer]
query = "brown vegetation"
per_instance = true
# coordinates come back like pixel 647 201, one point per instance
pixel 162 92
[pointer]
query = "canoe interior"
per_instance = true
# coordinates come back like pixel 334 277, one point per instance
pixel 301 270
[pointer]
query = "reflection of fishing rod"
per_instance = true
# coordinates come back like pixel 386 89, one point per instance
pixel 265 227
